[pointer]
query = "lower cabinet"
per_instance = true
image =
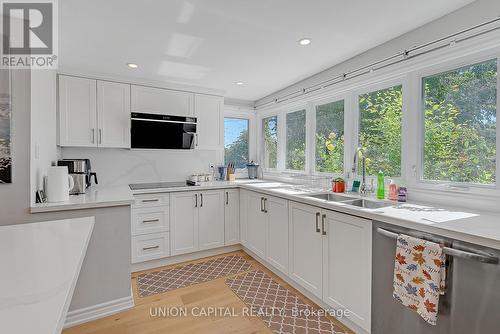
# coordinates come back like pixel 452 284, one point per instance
pixel 330 256
pixel 196 221
pixel 150 247
pixel 232 216
pixel 256 229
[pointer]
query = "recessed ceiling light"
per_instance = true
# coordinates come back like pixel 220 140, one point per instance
pixel 305 41
pixel 239 83
pixel 132 65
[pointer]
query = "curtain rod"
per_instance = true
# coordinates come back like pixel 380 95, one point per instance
pixel 388 61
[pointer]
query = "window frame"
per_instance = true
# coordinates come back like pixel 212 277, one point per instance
pixel 249 114
pixel 312 135
pixel 440 185
pixel 369 88
pixel 306 141
pixel 260 134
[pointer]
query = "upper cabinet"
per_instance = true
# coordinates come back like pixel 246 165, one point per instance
pixel 161 101
pixel 77 111
pixel 210 118
pixel 93 113
pixel 113 114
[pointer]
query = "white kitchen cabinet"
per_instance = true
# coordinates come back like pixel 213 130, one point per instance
pixel 211 219
pixel 196 221
pixel 184 222
pixel 93 113
pixel 210 118
pixel 244 216
pixel 347 264
pixel 161 101
pixel 77 111
pixel 150 247
pixel 256 225
pixel 277 232
pixel 149 220
pixel 113 114
pixel 306 249
pixel 232 216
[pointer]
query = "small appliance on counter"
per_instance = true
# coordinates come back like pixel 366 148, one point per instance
pixel 252 170
pixel 80 171
pixel 58 184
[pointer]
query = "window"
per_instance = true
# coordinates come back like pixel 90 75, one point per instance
pixel 380 130
pixel 236 141
pixel 270 138
pixel 330 137
pixel 460 124
pixel 296 140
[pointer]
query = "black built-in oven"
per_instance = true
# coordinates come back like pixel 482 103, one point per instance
pixel 156 131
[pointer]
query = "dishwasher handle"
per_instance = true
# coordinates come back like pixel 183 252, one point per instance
pixel 472 255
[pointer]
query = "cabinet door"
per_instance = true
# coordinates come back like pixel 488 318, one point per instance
pixel 77 112
pixel 347 265
pixel 209 113
pixel 183 222
pixel 113 114
pixel 277 232
pixel 211 219
pixel 161 101
pixel 306 250
pixel 232 216
pixel 256 225
pixel 243 216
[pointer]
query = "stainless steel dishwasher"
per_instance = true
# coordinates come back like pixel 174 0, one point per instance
pixel 471 304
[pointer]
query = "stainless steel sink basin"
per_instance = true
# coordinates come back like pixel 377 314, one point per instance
pixel 367 204
pixel 331 197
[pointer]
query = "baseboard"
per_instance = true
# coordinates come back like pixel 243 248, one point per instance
pixel 183 258
pixel 94 312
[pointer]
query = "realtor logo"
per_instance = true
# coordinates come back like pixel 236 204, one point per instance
pixel 29 34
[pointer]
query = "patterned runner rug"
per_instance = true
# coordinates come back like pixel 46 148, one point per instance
pixel 156 282
pixel 280 309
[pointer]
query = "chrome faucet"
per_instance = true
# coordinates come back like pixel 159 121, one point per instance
pixel 357 152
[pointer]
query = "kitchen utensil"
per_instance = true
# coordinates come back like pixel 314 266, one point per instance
pixel 252 168
pixel 59 183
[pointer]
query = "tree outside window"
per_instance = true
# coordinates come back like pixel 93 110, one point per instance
pixel 330 137
pixel 296 140
pixel 270 149
pixel 236 141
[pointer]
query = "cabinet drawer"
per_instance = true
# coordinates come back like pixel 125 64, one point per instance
pixel 150 220
pixel 150 247
pixel 150 200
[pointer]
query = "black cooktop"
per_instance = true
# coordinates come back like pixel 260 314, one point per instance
pixel 156 185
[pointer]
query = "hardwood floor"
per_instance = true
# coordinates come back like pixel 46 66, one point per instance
pixel 210 294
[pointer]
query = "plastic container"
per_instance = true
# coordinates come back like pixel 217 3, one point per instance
pixel 380 185
pixel 252 170
pixel 338 185
pixel 393 191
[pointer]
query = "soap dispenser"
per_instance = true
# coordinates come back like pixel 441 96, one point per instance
pixel 393 191
pixel 380 185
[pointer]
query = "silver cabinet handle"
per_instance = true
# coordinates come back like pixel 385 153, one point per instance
pixel 196 200
pixel 323 221
pixel 92 135
pixel 201 200
pixel 227 198
pixel 317 222
pixel 262 204
pixel 150 200
pixel 197 143
pixel 149 248
pixel 265 205
pixel 151 221
pixel 100 136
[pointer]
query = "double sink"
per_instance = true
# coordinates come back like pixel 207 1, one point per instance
pixel 359 202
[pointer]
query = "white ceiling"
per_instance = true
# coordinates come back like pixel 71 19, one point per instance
pixel 214 43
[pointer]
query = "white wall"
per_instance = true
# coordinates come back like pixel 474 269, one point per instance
pixel 121 166
pixel 44 152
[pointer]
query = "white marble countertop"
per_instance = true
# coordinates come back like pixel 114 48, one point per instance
pixel 95 197
pixel 40 266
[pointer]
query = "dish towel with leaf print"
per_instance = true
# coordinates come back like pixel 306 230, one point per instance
pixel 419 276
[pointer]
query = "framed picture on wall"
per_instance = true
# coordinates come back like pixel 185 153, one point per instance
pixel 5 127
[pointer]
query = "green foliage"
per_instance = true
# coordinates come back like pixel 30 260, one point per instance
pixel 270 130
pixel 330 137
pixel 296 140
pixel 460 124
pixel 380 130
pixel 237 152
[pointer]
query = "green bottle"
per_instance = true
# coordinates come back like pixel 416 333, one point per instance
pixel 380 185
